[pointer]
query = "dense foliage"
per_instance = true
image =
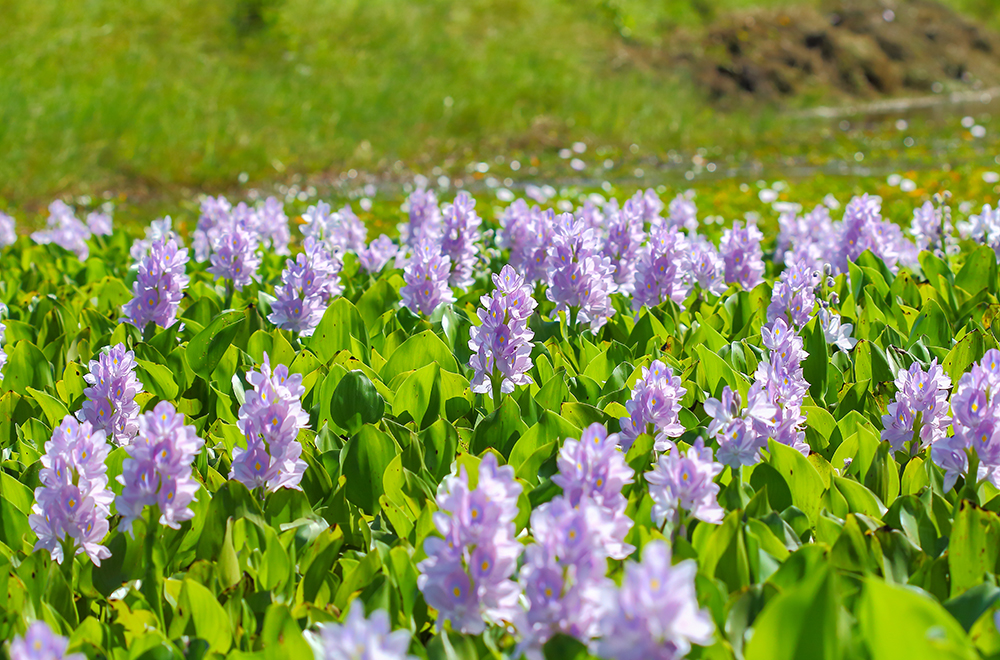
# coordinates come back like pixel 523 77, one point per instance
pixel 598 433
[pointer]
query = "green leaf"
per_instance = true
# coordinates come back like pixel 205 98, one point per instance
pixel 815 366
pixel 26 367
pixel 974 546
pixel 904 623
pixel 356 401
pixel 366 457
pixel 157 379
pixel 804 482
pixel 799 623
pixel 341 329
pixel 198 608
pixel 979 271
pixel 968 607
pixel 419 351
pixel 498 430
pixel 52 408
pixel 206 349
pixel 376 301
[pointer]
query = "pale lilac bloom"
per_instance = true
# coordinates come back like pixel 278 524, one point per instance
pixel 932 230
pixel 984 228
pixel 159 286
pixel 40 643
pixel 706 268
pixel 234 256
pixel 8 235
pixel 580 278
pixel 654 615
pixel 216 213
pixel 307 285
pixel 811 237
pixel 158 230
pixel 536 257
pixel 360 638
pixel 426 276
pixel 654 407
pixel 73 503
pixel 663 269
pixel 461 238
pixel 793 297
pixel 375 257
pixel 424 218
pixel 99 224
pixel 685 482
pixel 781 380
pixel 516 232
pixel 65 230
pixel 920 395
pixel 864 229
pixel 624 244
pixel 272 225
pixel 735 427
pixel 158 469
pixel 501 344
pixel 112 388
pixel 741 252
pixel 837 333
pixel 683 213
pixel 650 205
pixel 467 574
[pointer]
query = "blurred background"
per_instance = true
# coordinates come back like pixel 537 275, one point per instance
pixel 153 101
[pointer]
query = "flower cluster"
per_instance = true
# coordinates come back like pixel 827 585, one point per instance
pixel 272 226
pixel 215 215
pixel 340 231
pixel 158 471
pixel 735 427
pixel 624 243
pixel 654 615
pixel 654 407
pixel 781 379
pixel 580 278
pixel 65 230
pixel 234 256
pixel 307 285
pixel 460 239
pixel 73 503
pixel 564 575
pixel 662 269
pixel 984 228
pixel 920 408
pixel 111 391
pixel 683 213
pixel 40 643
pixel 424 218
pixel 501 345
pixel 270 420
pixel 360 638
pixel 835 331
pixel 8 234
pixel 742 255
pixel 426 276
pixel 809 237
pixel 159 286
pixel 467 574
pixel 375 257
pixel 932 229
pixel 864 229
pixel 706 267
pixel 685 482
pixel 99 224
pixel 794 296
pixel 976 408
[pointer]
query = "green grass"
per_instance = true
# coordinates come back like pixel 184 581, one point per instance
pixel 157 97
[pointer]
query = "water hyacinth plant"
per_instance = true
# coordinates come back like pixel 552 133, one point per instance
pixel 601 428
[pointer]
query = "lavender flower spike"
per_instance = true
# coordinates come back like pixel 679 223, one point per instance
pixel 73 503
pixel 375 257
pixel 8 235
pixel 159 286
pixel 426 277
pixel 654 407
pixel 461 238
pixel 158 469
pixel 307 285
pixel 358 638
pixel 501 345
pixel 741 252
pixel 234 256
pixel 110 404
pixel 40 643
pixel 685 481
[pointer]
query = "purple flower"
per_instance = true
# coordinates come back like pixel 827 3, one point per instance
pixel 466 576
pixel 424 218
pixel 810 237
pixel 864 229
pixel 517 232
pixel 742 255
pixel 374 257
pixel 110 404
pixel 358 638
pixel 780 379
pixel 580 278
pixel 685 481
pixel 837 334
pixel 461 238
pixel 99 224
pixel 534 258
pixel 8 234
pixel 594 467
pixel 159 286
pixel 73 503
pixel 649 204
pixel 426 276
pixel 932 229
pixel 65 230
pixel 234 256
pixel 158 471
pixel 793 297
pixel 215 214
pixel 272 225
pixel 683 213
pixel 735 427
pixel 623 245
pixel 706 268
pixel 984 228
pixel 654 407
pixel 654 615
pixel 158 230
pixel 662 270
pixel 270 420
pixel 307 285
pixel 501 344
pixel 920 395
pixel 40 643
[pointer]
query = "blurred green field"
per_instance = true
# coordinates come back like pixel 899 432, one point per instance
pixel 164 98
